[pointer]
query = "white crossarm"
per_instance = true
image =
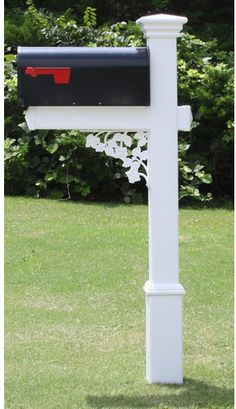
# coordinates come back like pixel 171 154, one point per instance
pixel 94 118
pixel 89 118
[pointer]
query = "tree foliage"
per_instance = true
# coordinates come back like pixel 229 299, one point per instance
pixel 206 20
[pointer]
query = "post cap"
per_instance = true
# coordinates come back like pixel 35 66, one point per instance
pixel 162 25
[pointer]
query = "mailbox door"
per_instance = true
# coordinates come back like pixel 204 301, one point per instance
pixel 80 76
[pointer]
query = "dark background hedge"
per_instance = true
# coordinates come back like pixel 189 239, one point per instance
pixel 57 164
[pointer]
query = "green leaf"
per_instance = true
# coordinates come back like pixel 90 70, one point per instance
pixel 85 191
pixel 37 140
pixel 51 175
pixel 187 169
pixel 8 142
pixel 40 183
pixel 200 174
pixel 188 177
pixel 10 57
pixel 52 147
pixel 198 167
pixel 207 178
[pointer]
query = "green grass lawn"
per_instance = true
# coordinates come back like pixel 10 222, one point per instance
pixel 75 308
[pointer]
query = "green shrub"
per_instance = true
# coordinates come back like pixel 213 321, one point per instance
pixel 57 164
pixel 206 83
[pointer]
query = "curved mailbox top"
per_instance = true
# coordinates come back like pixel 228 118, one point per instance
pixel 83 56
pixel 83 76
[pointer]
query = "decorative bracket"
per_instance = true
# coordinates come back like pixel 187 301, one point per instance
pixel 132 150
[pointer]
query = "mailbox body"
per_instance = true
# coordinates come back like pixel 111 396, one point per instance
pixel 83 76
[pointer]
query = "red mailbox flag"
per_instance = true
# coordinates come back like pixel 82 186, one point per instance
pixel 60 75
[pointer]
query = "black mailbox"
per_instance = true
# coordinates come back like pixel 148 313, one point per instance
pixel 83 76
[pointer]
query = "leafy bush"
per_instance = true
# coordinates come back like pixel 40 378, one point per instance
pixel 192 175
pixel 206 82
pixel 55 164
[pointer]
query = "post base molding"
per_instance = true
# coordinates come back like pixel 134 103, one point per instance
pixel 164 333
pixel 163 288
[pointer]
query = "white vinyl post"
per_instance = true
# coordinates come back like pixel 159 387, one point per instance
pixel 164 293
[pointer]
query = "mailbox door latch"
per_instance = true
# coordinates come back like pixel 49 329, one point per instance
pixel 60 75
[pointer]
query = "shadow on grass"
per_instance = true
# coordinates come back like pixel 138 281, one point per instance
pixel 193 393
